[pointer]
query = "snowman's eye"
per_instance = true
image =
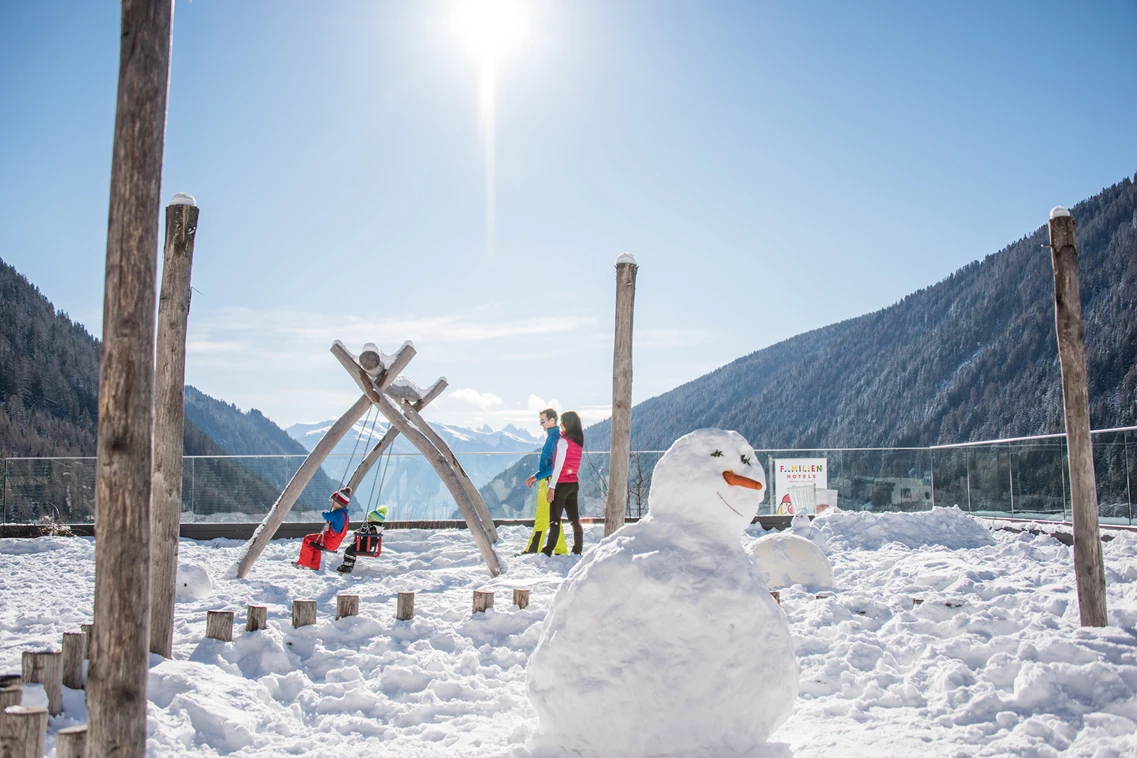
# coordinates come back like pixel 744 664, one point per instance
pixel 746 460
pixel 716 454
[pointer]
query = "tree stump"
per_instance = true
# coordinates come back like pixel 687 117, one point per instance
pixel 257 618
pixel 303 613
pixel 777 596
pixel 521 598
pixel 88 631
pixel 71 742
pixel 482 601
pixel 23 732
pixel 347 605
pixel 13 694
pixel 73 660
pixel 219 625
pixel 46 668
pixel 405 610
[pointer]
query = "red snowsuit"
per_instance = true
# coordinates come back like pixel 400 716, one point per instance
pixel 313 545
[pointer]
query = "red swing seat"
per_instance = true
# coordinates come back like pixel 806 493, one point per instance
pixel 368 545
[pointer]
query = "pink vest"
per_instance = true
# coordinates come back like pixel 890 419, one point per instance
pixel 572 462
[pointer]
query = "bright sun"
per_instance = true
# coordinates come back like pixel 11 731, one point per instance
pixel 491 27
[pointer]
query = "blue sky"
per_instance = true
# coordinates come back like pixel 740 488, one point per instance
pixel 773 167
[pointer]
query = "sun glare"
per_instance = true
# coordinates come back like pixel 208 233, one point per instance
pixel 490 27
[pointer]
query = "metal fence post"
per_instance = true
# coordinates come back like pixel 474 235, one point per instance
pixel 4 491
pixel 1128 483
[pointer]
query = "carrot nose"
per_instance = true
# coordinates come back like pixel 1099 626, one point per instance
pixel 735 480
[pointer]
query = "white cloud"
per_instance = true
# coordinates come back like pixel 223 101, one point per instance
pixel 483 400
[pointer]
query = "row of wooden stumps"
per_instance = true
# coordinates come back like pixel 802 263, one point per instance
pixel 23 729
pixel 219 624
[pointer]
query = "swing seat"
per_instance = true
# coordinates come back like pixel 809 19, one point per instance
pixel 368 545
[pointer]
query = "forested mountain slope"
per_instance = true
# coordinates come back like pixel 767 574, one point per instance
pixel 973 357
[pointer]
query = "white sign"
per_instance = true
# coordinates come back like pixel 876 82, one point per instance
pixel 792 472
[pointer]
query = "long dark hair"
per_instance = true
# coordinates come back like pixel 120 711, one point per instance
pixel 571 422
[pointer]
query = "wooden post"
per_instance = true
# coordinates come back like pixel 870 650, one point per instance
pixel 482 601
pixel 521 598
pixel 119 668
pixel 620 448
pixel 347 605
pixel 917 601
pixel 13 694
pixel 88 630
pixel 73 660
pixel 169 420
pixel 45 668
pixel 303 613
pixel 71 742
pixel 219 625
pixel 257 618
pixel 1089 567
pixel 23 732
pixel 264 533
pixel 405 610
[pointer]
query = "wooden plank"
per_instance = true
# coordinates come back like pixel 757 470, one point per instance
pixel 482 601
pixel 1089 565
pixel 405 609
pixel 257 618
pixel 73 660
pixel 521 598
pixel 46 668
pixel 303 613
pixel 23 732
pixel 169 422
pixel 219 625
pixel 12 694
pixel 71 742
pixel 346 605
pixel 620 448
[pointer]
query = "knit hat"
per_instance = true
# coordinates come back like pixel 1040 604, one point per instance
pixel 377 516
pixel 342 497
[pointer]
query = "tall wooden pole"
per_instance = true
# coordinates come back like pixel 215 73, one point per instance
pixel 116 683
pixel 169 420
pixel 621 446
pixel 1089 569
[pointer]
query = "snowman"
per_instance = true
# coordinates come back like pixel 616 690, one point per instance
pixel 664 639
pixel 794 557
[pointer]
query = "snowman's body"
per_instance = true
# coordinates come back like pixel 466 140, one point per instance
pixel 664 640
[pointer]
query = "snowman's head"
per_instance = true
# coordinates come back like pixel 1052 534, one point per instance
pixel 709 477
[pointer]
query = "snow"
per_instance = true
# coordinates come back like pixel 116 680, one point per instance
pixel 787 558
pixel 665 640
pixel 626 258
pixel 1058 211
pixel 991 663
pixel 183 198
pixel 861 530
pixel 193 581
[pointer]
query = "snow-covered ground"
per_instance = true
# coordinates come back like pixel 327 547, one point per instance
pixel 992 662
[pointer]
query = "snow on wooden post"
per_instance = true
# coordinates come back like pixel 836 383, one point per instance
pixel 521 598
pixel 1089 568
pixel 257 618
pixel 346 605
pixel 219 625
pixel 23 732
pixel 169 419
pixel 620 448
pixel 13 694
pixel 405 609
pixel 303 613
pixel 45 668
pixel 482 601
pixel 73 660
pixel 117 676
pixel 71 742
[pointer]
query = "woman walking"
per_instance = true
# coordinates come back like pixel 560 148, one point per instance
pixel 564 485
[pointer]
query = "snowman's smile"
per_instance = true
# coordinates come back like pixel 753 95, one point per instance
pixel 736 480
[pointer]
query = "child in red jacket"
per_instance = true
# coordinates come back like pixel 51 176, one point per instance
pixel 334 531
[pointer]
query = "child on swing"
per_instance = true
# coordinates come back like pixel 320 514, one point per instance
pixel 330 538
pixel 368 540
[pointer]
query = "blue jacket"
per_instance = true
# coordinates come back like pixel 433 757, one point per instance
pixel 337 518
pixel 548 454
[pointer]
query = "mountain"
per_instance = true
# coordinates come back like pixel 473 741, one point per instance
pixel 49 407
pixel 973 357
pixel 402 480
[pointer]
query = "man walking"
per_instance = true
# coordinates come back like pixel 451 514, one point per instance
pixel 548 420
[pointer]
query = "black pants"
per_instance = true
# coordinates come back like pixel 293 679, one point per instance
pixel 564 501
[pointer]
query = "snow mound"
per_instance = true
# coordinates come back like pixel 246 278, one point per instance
pixel 787 559
pixel 861 530
pixel 193 582
pixel 664 639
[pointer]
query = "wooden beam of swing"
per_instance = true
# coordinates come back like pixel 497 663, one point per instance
pixel 280 509
pixel 389 437
pixel 434 457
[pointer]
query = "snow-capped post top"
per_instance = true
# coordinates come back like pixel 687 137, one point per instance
pixel 183 198
pixel 1057 212
pixel 626 258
